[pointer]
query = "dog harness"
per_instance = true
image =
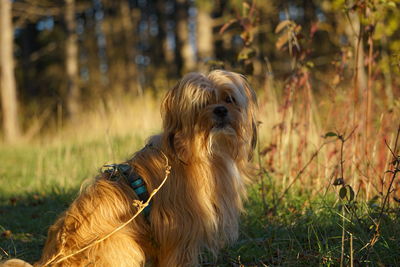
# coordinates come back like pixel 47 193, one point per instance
pixel 134 180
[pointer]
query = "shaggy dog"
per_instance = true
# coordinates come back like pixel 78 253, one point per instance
pixel 209 134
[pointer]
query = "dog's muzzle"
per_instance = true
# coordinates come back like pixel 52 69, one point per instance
pixel 221 116
pixel 221 111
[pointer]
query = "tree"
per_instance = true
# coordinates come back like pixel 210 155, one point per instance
pixel 166 55
pixel 205 39
pixel 71 60
pixel 128 23
pixel 7 80
pixel 119 26
pixel 184 49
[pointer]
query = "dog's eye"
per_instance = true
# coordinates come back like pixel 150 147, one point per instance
pixel 230 99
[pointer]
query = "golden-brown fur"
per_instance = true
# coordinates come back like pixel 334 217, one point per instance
pixel 209 133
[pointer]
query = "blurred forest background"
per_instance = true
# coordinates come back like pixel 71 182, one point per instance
pixel 66 54
pixel 326 73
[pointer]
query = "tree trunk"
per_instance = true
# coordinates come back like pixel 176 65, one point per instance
pixel 167 55
pixel 205 42
pixel 113 31
pixel 128 23
pixel 71 60
pixel 183 44
pixel 92 50
pixel 9 100
pixel 356 41
pixel 387 72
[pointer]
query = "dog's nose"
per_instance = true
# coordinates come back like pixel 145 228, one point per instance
pixel 221 111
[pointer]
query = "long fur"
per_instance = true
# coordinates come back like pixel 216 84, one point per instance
pixel 198 206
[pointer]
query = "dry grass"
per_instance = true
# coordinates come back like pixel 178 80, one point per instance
pixel 293 130
pixel 119 116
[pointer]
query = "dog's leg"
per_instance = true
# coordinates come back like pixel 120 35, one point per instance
pixel 101 208
pixel 118 250
pixel 181 255
pixel 15 263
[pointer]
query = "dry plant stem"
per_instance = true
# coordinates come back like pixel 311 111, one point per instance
pixel 343 140
pixel 351 250
pixel 356 71
pixel 142 206
pixel 5 252
pixel 369 92
pixel 394 173
pixel 396 169
pixel 367 13
pixel 262 171
pixel 314 155
pixel 341 156
pixel 331 178
pixel 343 235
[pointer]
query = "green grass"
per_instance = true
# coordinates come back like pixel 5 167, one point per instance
pixel 299 234
pixel 38 181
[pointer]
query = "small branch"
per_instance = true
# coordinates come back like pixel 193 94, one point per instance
pixel 343 236
pixel 351 251
pixel 262 171
pixel 315 154
pixel 394 171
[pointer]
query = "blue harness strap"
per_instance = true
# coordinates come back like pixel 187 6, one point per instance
pixel 135 181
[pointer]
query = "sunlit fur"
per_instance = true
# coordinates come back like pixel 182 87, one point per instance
pixel 199 205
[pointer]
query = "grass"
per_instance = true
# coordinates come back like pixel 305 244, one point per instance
pixel 39 179
pixel 303 232
pixel 39 183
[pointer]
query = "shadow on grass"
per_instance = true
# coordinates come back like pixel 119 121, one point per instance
pixel 296 234
pixel 24 221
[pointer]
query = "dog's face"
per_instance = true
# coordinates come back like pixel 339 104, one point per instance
pixel 216 112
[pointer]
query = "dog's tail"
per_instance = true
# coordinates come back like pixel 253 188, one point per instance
pixel 15 263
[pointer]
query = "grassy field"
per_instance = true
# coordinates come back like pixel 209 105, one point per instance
pixel 307 224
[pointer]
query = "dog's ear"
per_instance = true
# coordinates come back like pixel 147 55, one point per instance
pixel 250 94
pixel 254 139
pixel 252 110
pixel 172 125
pixel 169 112
pixel 180 148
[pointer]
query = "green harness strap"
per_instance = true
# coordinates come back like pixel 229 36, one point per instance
pixel 135 181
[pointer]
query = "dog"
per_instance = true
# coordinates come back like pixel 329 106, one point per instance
pixel 209 135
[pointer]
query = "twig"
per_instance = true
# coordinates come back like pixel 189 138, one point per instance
pixel 301 171
pixel 351 251
pixel 141 206
pixel 343 235
pixel 396 169
pixel 342 141
pixel 262 171
pixel 5 252
pixel 394 173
